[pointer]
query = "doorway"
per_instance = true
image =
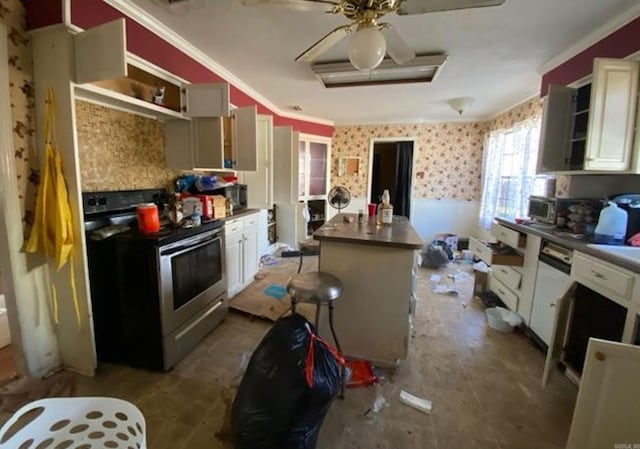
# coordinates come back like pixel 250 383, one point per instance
pixel 391 168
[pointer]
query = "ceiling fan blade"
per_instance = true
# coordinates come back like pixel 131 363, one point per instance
pixel 298 5
pixel 324 44
pixel 425 6
pixel 396 46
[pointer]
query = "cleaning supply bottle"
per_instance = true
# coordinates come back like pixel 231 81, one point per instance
pixel 385 209
pixel 612 225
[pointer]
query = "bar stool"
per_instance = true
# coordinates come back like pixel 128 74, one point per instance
pixel 320 289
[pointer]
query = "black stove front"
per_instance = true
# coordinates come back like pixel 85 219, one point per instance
pixel 134 278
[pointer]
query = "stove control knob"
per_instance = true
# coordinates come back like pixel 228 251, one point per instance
pixel 91 202
pixel 102 201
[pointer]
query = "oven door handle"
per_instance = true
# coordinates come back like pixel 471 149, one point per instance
pixel 176 251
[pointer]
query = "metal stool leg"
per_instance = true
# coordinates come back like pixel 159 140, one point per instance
pixel 300 264
pixel 335 339
pixel 293 305
pixel 317 320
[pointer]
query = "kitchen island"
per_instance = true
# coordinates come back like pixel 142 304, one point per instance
pixel 376 265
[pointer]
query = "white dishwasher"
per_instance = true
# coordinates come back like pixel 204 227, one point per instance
pixel 552 281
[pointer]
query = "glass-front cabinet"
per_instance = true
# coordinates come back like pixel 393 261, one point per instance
pixel 313 167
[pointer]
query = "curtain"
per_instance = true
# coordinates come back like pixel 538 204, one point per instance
pixel 508 171
pixel 404 163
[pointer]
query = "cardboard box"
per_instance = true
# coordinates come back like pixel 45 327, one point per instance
pixel 218 201
pixel 480 282
pixel 219 212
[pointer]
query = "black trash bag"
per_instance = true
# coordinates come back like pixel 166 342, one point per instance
pixel 274 407
pixel 316 401
pixel 437 254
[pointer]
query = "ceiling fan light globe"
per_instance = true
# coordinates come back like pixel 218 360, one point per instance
pixel 367 48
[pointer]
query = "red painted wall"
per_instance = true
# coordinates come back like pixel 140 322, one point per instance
pixel 151 47
pixel 619 44
pixel 42 13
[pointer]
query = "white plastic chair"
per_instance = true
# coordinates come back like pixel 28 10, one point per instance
pixel 75 423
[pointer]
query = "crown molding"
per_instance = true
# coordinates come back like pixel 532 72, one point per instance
pixel 474 119
pixel 590 39
pixel 530 94
pixel 149 22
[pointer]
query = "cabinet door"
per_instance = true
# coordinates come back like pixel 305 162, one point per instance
pixel 550 285
pixel 607 411
pixel 205 100
pixel 260 182
pixel 303 169
pixel 318 153
pixel 285 172
pixel 101 53
pixel 207 142
pixel 178 145
pixel 555 135
pixel 233 254
pixel 245 138
pixel 612 114
pixel 250 266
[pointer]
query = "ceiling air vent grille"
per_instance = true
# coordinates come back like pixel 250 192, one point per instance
pixel 421 69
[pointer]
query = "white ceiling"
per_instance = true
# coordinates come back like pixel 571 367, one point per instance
pixel 494 53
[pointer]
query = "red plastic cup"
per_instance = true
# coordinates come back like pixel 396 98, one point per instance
pixel 372 209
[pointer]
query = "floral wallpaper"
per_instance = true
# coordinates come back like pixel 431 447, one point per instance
pixel 22 105
pixel 448 160
pixel 119 150
pixel 519 113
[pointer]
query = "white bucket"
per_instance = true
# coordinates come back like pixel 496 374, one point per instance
pixel 502 320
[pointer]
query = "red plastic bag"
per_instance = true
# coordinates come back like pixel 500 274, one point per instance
pixel 361 374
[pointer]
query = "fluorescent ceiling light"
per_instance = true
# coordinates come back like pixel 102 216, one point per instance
pixel 421 69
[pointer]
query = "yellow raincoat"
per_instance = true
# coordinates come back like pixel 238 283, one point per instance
pixel 52 231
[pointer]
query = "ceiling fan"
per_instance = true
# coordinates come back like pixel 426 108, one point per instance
pixel 369 45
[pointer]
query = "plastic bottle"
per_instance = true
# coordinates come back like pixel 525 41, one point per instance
pixel 385 210
pixel 612 225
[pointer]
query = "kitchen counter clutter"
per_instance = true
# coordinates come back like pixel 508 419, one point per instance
pixel 399 234
pixel 377 266
pixel 623 256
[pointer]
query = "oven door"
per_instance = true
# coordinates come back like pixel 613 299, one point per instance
pixel 191 275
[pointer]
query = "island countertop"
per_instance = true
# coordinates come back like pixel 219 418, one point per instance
pixel 400 234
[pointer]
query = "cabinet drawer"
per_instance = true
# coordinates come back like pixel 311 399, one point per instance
pixel 507 275
pixel 602 277
pixel 493 254
pixel 508 236
pixel 251 220
pixel 507 296
pixel 233 226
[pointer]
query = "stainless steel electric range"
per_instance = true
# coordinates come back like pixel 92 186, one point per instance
pixel 154 296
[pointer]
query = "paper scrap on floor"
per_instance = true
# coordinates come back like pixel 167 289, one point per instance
pixel 446 289
pixel 424 405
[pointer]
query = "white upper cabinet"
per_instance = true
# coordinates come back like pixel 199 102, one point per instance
pixel 612 115
pixel 205 100
pixel 260 182
pixel 101 53
pixel 244 137
pixel 286 142
pixel 557 124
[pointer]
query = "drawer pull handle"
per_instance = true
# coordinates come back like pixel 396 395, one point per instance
pixel 552 305
pixel 600 356
pixel 599 275
pixel 500 291
pixel 503 271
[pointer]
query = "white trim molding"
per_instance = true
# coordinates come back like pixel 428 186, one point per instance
pixel 146 20
pixel 592 38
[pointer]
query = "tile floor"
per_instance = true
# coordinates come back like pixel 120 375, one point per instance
pixel 485 386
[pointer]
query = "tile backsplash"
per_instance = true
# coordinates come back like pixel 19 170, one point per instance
pixel 119 150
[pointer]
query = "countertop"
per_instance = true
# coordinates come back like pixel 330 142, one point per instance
pixel 400 234
pixel 240 214
pixel 578 244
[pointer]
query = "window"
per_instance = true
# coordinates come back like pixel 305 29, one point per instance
pixel 509 171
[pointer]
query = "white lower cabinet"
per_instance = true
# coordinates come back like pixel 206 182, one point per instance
pixel 241 248
pixel 551 285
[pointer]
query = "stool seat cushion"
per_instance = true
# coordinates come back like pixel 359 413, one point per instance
pixel 314 286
